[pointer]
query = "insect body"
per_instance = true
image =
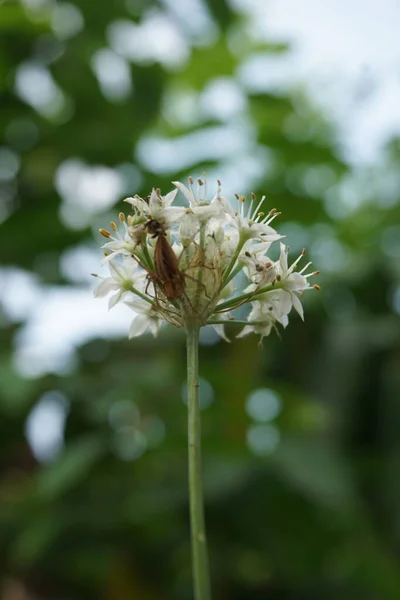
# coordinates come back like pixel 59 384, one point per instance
pixel 167 274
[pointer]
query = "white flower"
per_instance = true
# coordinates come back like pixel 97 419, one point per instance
pixel 253 224
pixel 158 207
pixel 290 280
pixel 178 265
pixel 147 318
pixel 258 267
pixel 265 313
pixel 202 208
pixel 125 244
pixel 125 278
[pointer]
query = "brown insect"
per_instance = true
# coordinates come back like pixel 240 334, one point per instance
pixel 167 275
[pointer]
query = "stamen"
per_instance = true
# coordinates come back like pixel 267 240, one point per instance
pixel 105 233
pixel 258 207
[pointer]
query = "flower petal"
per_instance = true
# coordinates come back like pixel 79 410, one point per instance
pixel 186 192
pixel 105 287
pixel 138 326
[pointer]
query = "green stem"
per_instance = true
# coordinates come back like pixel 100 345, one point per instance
pixel 230 304
pixel 233 261
pixel 201 577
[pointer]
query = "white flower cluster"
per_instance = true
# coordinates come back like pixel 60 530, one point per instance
pixel 181 264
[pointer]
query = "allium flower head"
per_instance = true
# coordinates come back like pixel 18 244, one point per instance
pixel 186 264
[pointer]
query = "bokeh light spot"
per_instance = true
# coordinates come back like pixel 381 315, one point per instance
pixel 9 164
pixel 113 74
pixel 129 443
pixel 263 439
pixel 263 405
pixel 44 427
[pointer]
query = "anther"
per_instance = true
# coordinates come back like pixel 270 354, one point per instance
pixel 242 198
pixel 236 196
pixel 130 220
pixel 114 225
pixel 253 196
pixel 105 233
pixel 200 182
pixel 219 183
pixel 158 192
pixel 190 179
pixel 315 272
pixel 317 287
pixel 304 252
pixel 122 217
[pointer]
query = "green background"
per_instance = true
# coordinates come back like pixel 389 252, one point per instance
pixel 312 514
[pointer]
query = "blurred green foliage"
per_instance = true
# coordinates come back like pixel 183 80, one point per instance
pixel 316 517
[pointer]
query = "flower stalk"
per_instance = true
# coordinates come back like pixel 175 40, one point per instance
pixel 192 266
pixel 201 577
